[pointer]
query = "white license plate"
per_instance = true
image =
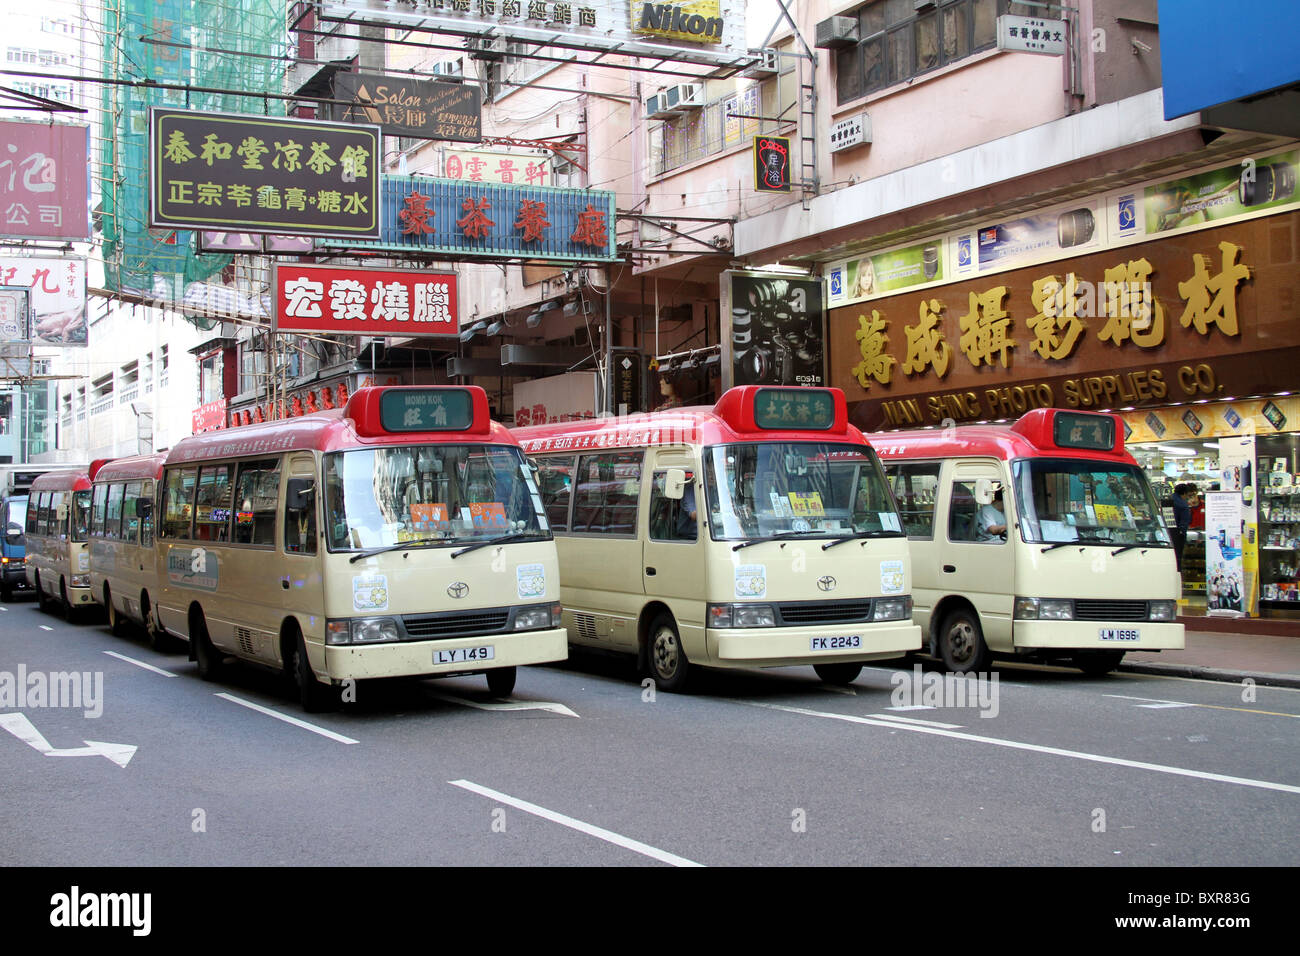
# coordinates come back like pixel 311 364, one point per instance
pixel 464 655
pixel 835 643
pixel 1118 633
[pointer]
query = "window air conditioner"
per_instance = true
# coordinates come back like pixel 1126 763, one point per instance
pixel 675 100
pixel 767 65
pixel 836 32
pixel 486 48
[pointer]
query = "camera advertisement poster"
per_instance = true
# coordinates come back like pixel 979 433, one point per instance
pixel 773 330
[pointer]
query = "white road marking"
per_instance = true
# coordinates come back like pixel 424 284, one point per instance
pixel 911 707
pixel 1163 706
pixel 914 720
pixel 287 719
pixel 504 705
pixel 46 627
pixel 600 833
pixel 1038 748
pixel 1155 703
pixel 148 667
pixel 23 729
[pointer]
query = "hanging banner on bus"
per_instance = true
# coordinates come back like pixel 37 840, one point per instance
pixel 221 171
pixel 773 330
pixel 58 297
pixel 459 220
pixel 347 301
pixel 44 180
pixel 400 106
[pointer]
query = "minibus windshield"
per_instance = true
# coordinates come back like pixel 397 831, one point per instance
pixel 428 495
pixel 790 488
pixel 80 514
pixel 1068 500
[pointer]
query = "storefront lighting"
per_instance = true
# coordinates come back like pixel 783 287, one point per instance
pixel 1177 451
pixel 1281 394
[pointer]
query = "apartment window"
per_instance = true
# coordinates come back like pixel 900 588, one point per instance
pixel 252 368
pixel 897 41
pixel 211 371
pixel 723 123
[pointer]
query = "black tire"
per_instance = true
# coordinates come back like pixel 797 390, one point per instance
pixel 69 612
pixel 665 656
pixel 41 600
pixel 501 681
pixel 961 643
pixel 314 696
pixel 159 639
pixel 839 674
pixel 206 654
pixel 117 622
pixel 1098 663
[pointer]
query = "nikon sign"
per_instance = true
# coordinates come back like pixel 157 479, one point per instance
pixel 698 22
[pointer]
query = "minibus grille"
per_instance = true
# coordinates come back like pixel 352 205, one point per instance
pixel 425 627
pixel 1110 610
pixel 824 612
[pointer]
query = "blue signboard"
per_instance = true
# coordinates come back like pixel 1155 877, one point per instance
pixel 455 219
pixel 1212 53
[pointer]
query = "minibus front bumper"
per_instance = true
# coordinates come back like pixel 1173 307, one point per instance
pixel 419 658
pixel 1097 635
pixel 793 646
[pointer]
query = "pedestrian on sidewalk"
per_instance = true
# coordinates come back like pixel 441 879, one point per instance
pixel 1182 521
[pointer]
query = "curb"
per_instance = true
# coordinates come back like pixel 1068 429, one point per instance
pixel 1211 673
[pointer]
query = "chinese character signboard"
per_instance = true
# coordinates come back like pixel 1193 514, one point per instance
pixel 773 330
pixel 219 171
pixel 15 313
pixel 458 220
pixel 425 109
pixel 1031 35
pixel 58 302
pixel 481 166
pixel 348 301
pixel 44 180
pixel 772 164
pixel 208 417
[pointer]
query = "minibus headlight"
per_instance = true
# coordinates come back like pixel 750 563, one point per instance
pixel 81 580
pixel 1026 609
pixel 754 615
pixel 533 618
pixel 892 609
pixel 719 615
pixel 372 630
pixel 1162 610
pixel 1051 609
pixel 337 632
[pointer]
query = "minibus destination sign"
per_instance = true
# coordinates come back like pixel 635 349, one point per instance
pixel 794 409
pixel 426 410
pixel 1092 432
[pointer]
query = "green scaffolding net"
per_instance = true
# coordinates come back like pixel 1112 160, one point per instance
pixel 196 46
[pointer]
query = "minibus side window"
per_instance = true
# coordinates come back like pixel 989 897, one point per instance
pixel 670 519
pixel 130 517
pixel 113 512
pixel 300 516
pixel 968 520
pixel 212 504
pixel 606 493
pixel 54 526
pixel 33 508
pixel 915 486
pixel 42 526
pixel 256 494
pixel 97 510
pixel 178 503
pixel 144 508
pixel 557 487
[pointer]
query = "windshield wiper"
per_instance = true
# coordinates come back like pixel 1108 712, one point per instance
pixel 1058 544
pixel 1127 547
pixel 394 547
pixel 882 533
pixel 513 536
pixel 782 536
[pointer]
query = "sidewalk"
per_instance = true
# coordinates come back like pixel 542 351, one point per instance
pixel 1268 659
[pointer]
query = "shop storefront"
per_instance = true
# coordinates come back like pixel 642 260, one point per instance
pixel 1186 327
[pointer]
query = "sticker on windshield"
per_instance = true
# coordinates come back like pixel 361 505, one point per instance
pixel 780 507
pixel 370 592
pixel 427 518
pixel 489 516
pixel 889 521
pixel 530 581
pixel 891 577
pixel 751 581
pixel 807 503
pixel 800 526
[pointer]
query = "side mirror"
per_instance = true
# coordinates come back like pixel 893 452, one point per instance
pixel 675 484
pixel 14 531
pixel 985 488
pixel 143 508
pixel 300 494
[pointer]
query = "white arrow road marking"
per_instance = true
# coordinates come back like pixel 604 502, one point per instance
pixel 600 833
pixel 21 727
pixel 914 720
pixel 1155 703
pixel 1034 748
pixel 148 667
pixel 505 704
pixel 287 719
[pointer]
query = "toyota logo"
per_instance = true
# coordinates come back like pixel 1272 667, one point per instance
pixel 826 583
pixel 458 590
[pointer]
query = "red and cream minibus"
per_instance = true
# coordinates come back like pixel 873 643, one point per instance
pixel 123 572
pixel 57 560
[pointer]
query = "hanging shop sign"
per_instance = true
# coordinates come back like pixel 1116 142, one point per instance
pixel 44 180
pixel 219 171
pixel 460 220
pixel 1031 35
pixel 1185 319
pixel 481 166
pixel 58 297
pixel 696 21
pixel 208 417
pixel 15 314
pixel 773 330
pixel 557 398
pixel 772 164
pixel 400 106
pixel 346 301
pixel 247 243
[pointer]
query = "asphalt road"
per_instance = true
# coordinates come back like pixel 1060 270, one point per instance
pixel 582 767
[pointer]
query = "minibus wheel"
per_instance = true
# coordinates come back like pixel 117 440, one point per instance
pixel 1098 663
pixel 41 600
pixel 501 681
pixel 69 612
pixel 117 622
pixel 839 674
pixel 207 656
pixel 667 659
pixel 312 694
pixel 961 643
